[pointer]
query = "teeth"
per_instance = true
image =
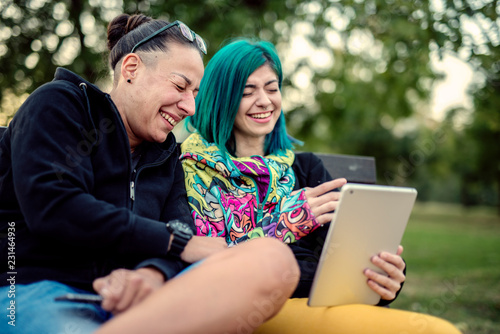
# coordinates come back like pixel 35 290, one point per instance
pixel 263 115
pixel 168 118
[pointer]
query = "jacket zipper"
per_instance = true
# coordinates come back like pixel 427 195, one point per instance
pixel 135 176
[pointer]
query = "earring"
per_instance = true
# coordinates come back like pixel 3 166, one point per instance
pixel 129 81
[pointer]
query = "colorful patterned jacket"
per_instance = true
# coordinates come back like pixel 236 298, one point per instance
pixel 244 198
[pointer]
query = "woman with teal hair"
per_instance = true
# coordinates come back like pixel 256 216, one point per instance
pixel 243 179
pixel 238 162
pixel 230 68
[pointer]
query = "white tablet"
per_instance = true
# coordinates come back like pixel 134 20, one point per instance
pixel 369 219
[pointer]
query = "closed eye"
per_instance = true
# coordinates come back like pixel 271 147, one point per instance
pixel 248 92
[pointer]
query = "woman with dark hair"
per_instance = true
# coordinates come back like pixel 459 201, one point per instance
pixel 92 189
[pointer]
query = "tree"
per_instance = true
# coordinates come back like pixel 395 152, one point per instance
pixel 358 74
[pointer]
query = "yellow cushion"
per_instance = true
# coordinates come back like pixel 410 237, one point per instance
pixel 297 317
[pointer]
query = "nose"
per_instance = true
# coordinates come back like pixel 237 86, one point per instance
pixel 187 104
pixel 263 100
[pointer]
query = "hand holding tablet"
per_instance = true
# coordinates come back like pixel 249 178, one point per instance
pixel 369 220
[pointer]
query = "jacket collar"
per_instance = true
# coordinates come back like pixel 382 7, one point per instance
pixel 158 152
pixel 67 75
pixel 155 152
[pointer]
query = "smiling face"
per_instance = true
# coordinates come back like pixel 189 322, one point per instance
pixel 259 110
pixel 161 92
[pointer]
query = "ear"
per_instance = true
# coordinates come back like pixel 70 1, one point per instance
pixel 130 65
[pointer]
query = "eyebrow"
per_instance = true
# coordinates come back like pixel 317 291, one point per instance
pixel 189 82
pixel 267 83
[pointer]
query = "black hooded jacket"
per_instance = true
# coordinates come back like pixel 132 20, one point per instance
pixel 73 205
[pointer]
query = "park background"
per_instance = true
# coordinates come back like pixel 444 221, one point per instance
pixel 416 84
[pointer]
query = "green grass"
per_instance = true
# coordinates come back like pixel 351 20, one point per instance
pixel 453 266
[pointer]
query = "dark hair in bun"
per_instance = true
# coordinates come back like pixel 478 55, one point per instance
pixel 125 31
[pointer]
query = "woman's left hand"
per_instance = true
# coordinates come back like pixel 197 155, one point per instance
pixel 393 265
pixel 123 288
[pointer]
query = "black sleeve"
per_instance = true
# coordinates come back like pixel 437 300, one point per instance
pixel 309 172
pixel 176 207
pixel 168 267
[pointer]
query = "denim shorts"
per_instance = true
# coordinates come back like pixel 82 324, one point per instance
pixel 31 308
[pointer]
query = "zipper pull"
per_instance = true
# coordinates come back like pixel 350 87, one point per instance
pixel 132 191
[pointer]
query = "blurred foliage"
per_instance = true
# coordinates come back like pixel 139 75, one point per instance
pixel 358 74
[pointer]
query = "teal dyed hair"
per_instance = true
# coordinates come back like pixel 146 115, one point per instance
pixel 221 90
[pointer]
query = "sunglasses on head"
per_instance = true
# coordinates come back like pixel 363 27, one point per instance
pixel 186 32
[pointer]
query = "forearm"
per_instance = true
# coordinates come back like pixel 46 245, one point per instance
pixel 199 248
pixel 295 219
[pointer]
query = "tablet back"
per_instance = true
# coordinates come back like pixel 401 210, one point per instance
pixel 369 219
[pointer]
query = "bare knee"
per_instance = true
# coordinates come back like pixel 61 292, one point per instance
pixel 265 266
pixel 279 266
